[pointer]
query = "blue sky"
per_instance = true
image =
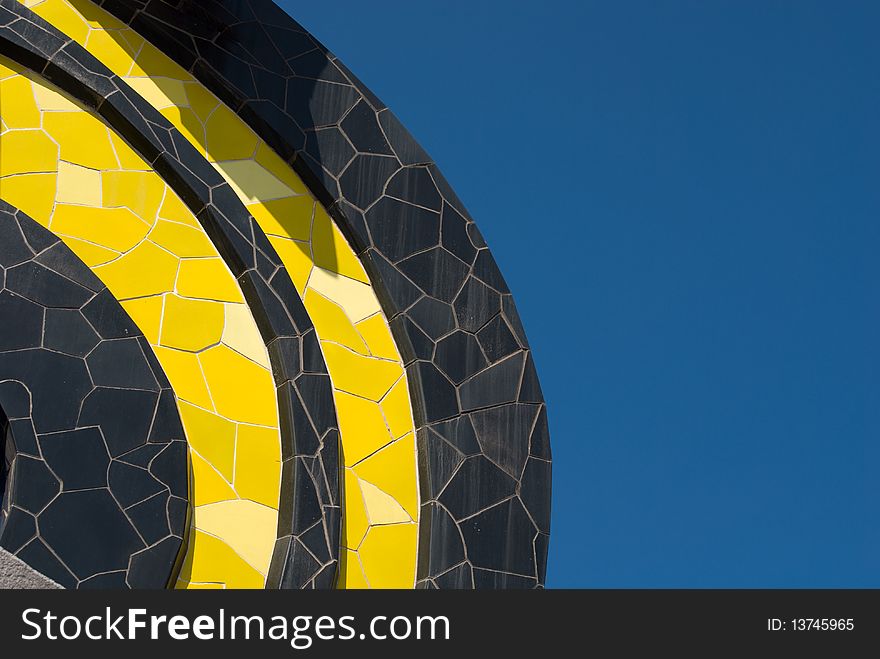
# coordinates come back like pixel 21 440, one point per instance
pixel 684 199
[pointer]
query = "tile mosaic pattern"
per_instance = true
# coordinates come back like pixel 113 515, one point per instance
pixel 370 387
pixel 94 477
pixel 309 513
pixel 121 219
pixel 483 441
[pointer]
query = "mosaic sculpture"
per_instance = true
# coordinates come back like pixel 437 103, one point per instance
pixel 251 337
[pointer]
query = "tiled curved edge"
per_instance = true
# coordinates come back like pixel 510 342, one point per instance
pixel 483 440
pixel 310 488
pixel 96 495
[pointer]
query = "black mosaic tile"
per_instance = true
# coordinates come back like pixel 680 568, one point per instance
pixel 299 562
pixel 534 481
pixel 78 457
pixel 459 432
pixel 15 249
pixel 530 389
pixel 447 547
pixel 108 581
pixel 405 147
pixel 458 578
pixel 414 185
pixel 330 147
pixel 104 536
pixel 440 401
pixel 121 363
pixel 147 566
pixel 488 580
pixel 19 528
pixel 539 441
pixel 495 425
pixel 23 437
pixel 56 402
pixel 476 305
pixel 150 518
pixel 67 331
pixel 45 287
pixel 362 128
pixel 438 460
pixel 435 318
pixel 497 340
pixel 125 416
pixel 400 229
pixel 459 356
pixel 412 342
pixel 491 527
pixel 38 556
pixel 455 239
pixel 496 385
pixel 364 177
pixel 476 485
pixel 299 436
pixel 393 289
pixel 15 400
pixel 101 312
pixel 38 485
pixel 437 272
pixel 131 485
pixel 28 321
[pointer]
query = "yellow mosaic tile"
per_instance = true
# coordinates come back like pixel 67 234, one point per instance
pixel 375 332
pixel 117 229
pixel 105 203
pixel 382 508
pixel 81 139
pixel 35 190
pixel 355 523
pixel 78 185
pixel 319 261
pixel 360 375
pixel 218 559
pixel 362 424
pixel 204 278
pixel 336 327
pixel 384 555
pixel 146 312
pixel 26 152
pixel 20 110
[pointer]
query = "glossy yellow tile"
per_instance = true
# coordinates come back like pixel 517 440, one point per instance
pixel 83 140
pixel 78 185
pixel 376 333
pixel 208 279
pixel 363 426
pixel 335 325
pixel 192 325
pixel 385 467
pixel 27 152
pixel 388 561
pixel 359 375
pixel 238 387
pixel 245 525
pixel 117 229
pixel 382 508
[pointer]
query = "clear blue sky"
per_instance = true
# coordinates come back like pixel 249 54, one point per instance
pixel 685 200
